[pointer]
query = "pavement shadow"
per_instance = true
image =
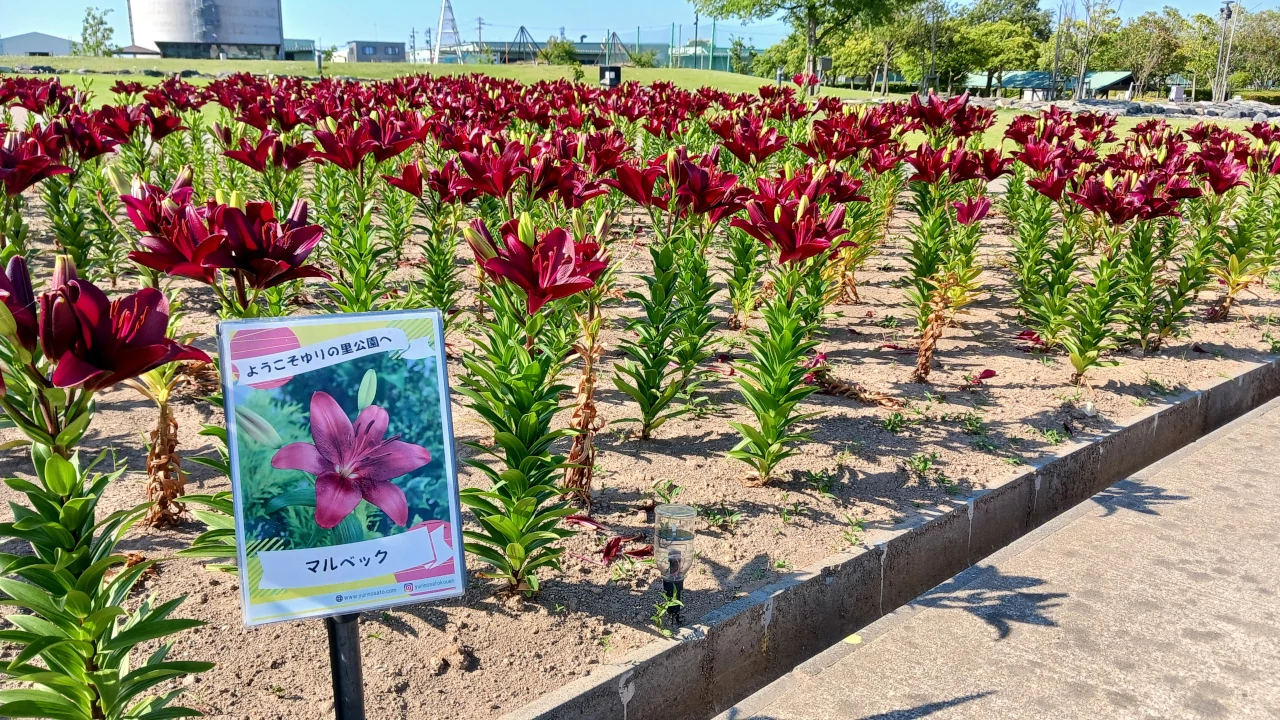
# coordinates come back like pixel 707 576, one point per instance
pixel 1136 496
pixel 912 713
pixel 927 709
pixel 999 600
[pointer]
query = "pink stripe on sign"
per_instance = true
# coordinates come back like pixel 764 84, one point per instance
pixel 248 344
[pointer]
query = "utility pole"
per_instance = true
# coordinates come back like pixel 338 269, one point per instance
pixel 413 44
pixel 671 49
pixel 479 33
pixel 1225 15
pixel 711 59
pixel 1226 60
pixel 1057 55
pixel 697 59
pixel 933 51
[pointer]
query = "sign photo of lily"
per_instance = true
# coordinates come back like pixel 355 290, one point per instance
pixel 342 463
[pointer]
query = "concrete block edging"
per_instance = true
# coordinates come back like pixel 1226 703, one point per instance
pixel 743 646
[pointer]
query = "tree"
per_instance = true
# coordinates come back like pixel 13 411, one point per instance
pixel 1025 13
pixel 558 52
pixel 1257 48
pixel 327 54
pixel 1085 35
pixel 996 47
pixel 788 55
pixel 741 56
pixel 1150 46
pixel 818 19
pixel 858 56
pixel 95 34
pixel 645 59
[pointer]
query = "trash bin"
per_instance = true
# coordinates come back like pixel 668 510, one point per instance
pixel 610 76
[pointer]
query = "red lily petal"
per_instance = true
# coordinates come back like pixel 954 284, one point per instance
pixel 389 499
pixel 330 428
pixel 392 460
pixel 336 497
pixel 300 456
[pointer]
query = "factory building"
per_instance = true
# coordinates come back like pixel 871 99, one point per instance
pixel 232 29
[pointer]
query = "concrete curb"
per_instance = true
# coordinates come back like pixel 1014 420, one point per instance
pixel 754 640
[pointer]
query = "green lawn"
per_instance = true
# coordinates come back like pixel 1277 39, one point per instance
pixel 691 79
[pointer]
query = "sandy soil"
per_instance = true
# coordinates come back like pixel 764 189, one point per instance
pixel 481 656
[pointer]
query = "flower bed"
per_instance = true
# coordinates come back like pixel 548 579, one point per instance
pixel 678 280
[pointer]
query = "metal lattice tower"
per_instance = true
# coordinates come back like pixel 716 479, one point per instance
pixel 524 47
pixel 448 39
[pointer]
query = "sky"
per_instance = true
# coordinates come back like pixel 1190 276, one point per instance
pixel 333 22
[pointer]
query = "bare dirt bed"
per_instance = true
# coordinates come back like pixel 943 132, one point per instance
pixel 866 467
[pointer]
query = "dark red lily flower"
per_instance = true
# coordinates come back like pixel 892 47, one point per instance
pixel 702 188
pixel 352 462
pixel 1220 175
pixel 263 251
pixel 546 271
pixel 796 230
pixel 450 185
pixel 22 164
pixel 20 300
pixel 972 210
pixel 255 157
pixel 1053 183
pixel 346 146
pixel 993 164
pixel 97 342
pixel 162 124
pixel 494 171
pixel 603 151
pixel 86 138
pixel 638 184
pixel 883 159
pixel 1113 199
pixel 592 260
pixel 119 123
pixel 410 180
pixel 1039 155
pixel 930 164
pixel 747 138
pixel 151 210
pixel 183 247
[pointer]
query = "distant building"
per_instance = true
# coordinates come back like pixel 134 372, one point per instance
pixel 1036 84
pixel 294 49
pixel 237 29
pixel 366 51
pixel 35 44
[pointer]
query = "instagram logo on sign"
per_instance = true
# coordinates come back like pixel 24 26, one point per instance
pixel 408 587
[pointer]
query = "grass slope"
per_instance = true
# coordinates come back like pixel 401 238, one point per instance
pixel 691 79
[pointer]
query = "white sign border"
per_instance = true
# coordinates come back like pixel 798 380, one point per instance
pixel 224 331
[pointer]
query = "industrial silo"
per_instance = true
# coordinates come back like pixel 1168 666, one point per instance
pixel 208 28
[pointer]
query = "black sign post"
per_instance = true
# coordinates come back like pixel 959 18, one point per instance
pixel 344 662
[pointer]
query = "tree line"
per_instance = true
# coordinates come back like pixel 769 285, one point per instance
pixel 938 44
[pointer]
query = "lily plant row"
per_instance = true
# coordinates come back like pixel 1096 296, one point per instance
pixel 506 206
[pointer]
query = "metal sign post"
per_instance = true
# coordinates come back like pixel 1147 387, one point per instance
pixel 344 663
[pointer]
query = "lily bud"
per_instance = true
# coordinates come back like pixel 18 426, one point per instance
pixel 257 428
pixel 1108 180
pixel 332 124
pixel 64 271
pixel 603 226
pixel 479 240
pixel 820 172
pixel 802 206
pixel 526 231
pixel 185 176
pixel 8 326
pixel 118 179
pixel 578 223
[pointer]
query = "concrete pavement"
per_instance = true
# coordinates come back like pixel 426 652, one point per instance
pixel 1156 599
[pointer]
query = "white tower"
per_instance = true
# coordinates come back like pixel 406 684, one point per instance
pixel 447 37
